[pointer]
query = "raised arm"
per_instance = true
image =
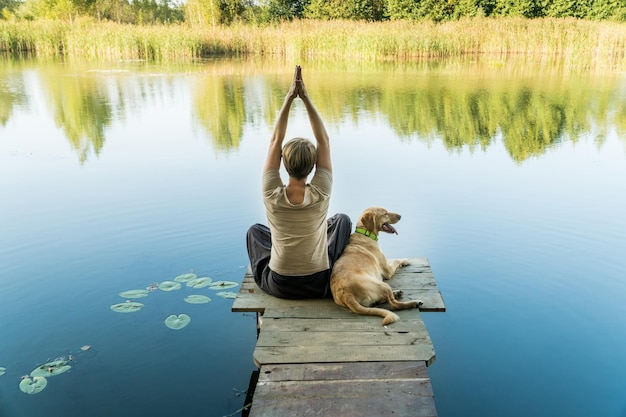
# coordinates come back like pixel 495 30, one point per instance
pixel 274 153
pixel 319 131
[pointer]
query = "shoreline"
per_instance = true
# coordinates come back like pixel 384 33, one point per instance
pixel 580 43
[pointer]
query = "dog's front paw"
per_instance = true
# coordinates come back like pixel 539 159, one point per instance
pixel 418 303
pixel 404 262
pixel 398 294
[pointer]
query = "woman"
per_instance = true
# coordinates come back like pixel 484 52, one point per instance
pixel 293 257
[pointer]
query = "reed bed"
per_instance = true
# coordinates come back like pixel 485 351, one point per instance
pixel 578 43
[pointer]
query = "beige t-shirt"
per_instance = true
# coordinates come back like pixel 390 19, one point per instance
pixel 298 230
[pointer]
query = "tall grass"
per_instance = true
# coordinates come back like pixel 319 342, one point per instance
pixel 577 43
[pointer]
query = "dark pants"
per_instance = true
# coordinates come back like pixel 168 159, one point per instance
pixel 316 285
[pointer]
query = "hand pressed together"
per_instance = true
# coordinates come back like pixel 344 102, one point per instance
pixel 297 88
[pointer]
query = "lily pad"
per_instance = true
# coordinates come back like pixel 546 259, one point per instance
pixel 2 370
pixel 34 385
pixel 177 322
pixel 169 286
pixel 51 369
pixel 227 294
pixel 197 299
pixel 134 293
pixel 200 282
pixel 185 277
pixel 222 285
pixel 127 307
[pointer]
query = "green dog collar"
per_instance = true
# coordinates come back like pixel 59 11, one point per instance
pixel 366 233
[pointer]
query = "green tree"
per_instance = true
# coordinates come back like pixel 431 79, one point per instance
pixel 371 10
pixel 52 9
pixel 215 12
pixel 468 8
pixel 436 10
pixel 7 7
pixel 607 9
pixel 203 12
pixel 323 9
pixel 115 10
pixel 153 11
pixel 564 8
pixel 486 7
pixel 402 9
pixel 232 11
pixel 520 8
pixel 280 10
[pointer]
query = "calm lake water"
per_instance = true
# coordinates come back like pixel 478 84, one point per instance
pixel 510 176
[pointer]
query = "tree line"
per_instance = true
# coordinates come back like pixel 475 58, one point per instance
pixel 227 12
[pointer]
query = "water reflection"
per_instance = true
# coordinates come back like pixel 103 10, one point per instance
pixel 12 92
pixel 81 106
pixel 219 107
pixel 530 108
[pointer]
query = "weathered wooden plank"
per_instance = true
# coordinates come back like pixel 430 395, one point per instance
pixel 333 339
pixel 320 310
pixel 416 280
pixel 334 394
pixel 343 371
pixel 432 299
pixel 258 301
pixel 353 324
pixel 264 355
pixel 344 398
pixel 329 310
pixel 411 279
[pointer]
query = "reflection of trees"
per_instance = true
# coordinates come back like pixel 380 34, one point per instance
pixel 531 115
pixel 82 108
pixel 530 122
pixel 85 103
pixel 219 107
pixel 469 107
pixel 12 92
pixel 461 106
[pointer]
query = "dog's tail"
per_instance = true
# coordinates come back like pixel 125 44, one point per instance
pixel 388 316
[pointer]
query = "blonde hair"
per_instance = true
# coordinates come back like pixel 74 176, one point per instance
pixel 299 157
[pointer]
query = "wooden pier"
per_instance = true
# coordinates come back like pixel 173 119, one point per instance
pixel 316 358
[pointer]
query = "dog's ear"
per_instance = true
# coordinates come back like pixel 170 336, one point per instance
pixel 368 218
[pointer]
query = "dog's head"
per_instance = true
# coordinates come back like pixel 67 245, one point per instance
pixel 378 219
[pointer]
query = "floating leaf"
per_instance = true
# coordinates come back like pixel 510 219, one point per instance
pixel 34 385
pixel 127 307
pixel 177 322
pixel 200 282
pixel 134 293
pixel 197 299
pixel 51 369
pixel 222 285
pixel 185 277
pixel 2 370
pixel 169 286
pixel 227 294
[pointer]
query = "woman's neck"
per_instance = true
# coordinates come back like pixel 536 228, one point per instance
pixel 295 190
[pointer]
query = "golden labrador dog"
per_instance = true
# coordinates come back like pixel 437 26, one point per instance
pixel 357 279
